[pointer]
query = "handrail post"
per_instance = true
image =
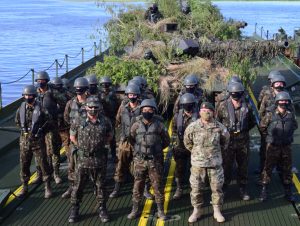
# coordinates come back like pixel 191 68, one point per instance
pixel 100 47
pixel 267 34
pixel 82 52
pixel 0 96
pixel 255 27
pixel 32 75
pixel 95 49
pixel 67 63
pixel 261 31
pixel 56 67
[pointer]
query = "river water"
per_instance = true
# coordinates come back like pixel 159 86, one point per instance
pixel 33 33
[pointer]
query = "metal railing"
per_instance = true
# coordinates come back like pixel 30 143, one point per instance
pixel 58 66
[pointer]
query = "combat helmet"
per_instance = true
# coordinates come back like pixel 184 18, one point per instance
pixel 283 96
pixel 272 74
pixel 278 78
pixel 29 90
pixel 141 80
pixel 187 98
pixel 81 83
pixel 132 88
pixel 191 80
pixel 148 103
pixel 105 79
pixel 92 79
pixel 42 75
pixel 235 79
pixel 66 83
pixel 236 88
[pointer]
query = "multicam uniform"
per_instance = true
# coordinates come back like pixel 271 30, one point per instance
pixel 30 119
pixel 238 122
pixel 205 142
pixel 148 140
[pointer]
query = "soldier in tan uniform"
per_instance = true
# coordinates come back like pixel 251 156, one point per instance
pixel 205 138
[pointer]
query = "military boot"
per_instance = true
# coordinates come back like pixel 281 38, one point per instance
pixel 68 192
pixel 24 190
pixel 74 214
pixel 48 190
pixel 56 176
pixel 243 193
pixel 160 212
pixel 263 193
pixel 197 212
pixel 217 214
pixel 115 193
pixel 135 212
pixel 147 193
pixel 103 213
pixel 39 177
pixel 288 193
pixel 178 192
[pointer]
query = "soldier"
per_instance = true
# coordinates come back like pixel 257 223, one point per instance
pixel 124 118
pixel 149 137
pixel 277 85
pixel 266 90
pixel 152 14
pixel 181 120
pixel 205 138
pixel 190 83
pixel 146 93
pixel 279 124
pixel 90 134
pixel 33 122
pixel 50 102
pixel 236 114
pixel 108 94
pixel 74 109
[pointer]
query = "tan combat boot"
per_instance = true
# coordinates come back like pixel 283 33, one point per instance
pixel 39 178
pixel 179 190
pixel 48 191
pixel 68 192
pixel 23 191
pixel 135 212
pixel 217 214
pixel 195 215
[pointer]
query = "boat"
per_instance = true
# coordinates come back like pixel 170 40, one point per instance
pixel 35 210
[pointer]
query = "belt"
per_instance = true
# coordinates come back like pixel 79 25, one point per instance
pixel 144 156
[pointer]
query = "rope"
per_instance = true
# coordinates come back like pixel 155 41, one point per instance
pixel 50 66
pixel 87 51
pixel 6 83
pixel 76 55
pixel 62 64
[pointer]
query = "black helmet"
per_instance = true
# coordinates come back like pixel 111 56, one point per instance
pixel 93 101
pixel 92 79
pixel 141 80
pixel 105 79
pixel 148 103
pixel 136 82
pixel 278 78
pixel 132 88
pixel 191 80
pixel 81 82
pixel 282 96
pixel 187 98
pixel 272 74
pixel 235 88
pixel 57 81
pixel 235 78
pixel 42 75
pixel 29 90
pixel 66 83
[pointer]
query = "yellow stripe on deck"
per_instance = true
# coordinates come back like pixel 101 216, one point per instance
pixel 33 177
pixel 148 204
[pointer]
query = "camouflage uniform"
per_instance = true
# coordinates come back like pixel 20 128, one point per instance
pixel 279 129
pixel 31 144
pixel 266 90
pixel 238 122
pixel 199 95
pixel 125 117
pixel 181 155
pixel 92 156
pixel 149 141
pixel 205 142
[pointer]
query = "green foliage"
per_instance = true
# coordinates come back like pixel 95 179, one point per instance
pixel 166 10
pixel 122 70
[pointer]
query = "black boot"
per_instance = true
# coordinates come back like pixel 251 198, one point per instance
pixel 243 193
pixel 103 213
pixel 115 193
pixel 39 177
pixel 147 193
pixel 263 193
pixel 178 192
pixel 288 193
pixel 74 213
pixel 135 212
pixel 160 212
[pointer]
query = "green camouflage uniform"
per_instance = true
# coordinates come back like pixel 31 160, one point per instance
pixel 266 90
pixel 238 149
pixel 180 153
pixel 279 129
pixel 92 156
pixel 148 141
pixel 31 144
pixel 205 142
